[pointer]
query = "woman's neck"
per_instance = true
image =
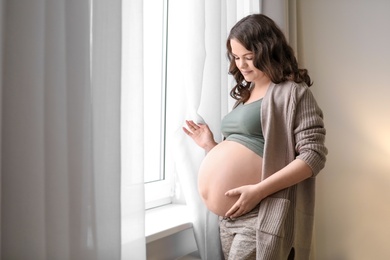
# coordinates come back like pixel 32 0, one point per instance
pixel 259 89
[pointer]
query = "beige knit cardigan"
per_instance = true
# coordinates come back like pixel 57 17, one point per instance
pixel 293 128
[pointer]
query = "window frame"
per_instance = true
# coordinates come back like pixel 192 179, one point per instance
pixel 161 192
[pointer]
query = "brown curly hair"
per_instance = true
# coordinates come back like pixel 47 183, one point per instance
pixel 272 54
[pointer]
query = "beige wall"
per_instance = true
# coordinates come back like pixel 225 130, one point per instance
pixel 345 44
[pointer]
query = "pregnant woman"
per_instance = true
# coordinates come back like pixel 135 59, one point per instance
pixel 260 179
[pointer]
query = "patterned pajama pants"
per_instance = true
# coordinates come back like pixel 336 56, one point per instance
pixel 238 236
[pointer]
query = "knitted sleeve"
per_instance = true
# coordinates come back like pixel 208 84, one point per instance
pixel 309 131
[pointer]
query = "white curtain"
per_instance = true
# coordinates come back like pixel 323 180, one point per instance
pixel 132 96
pixel 60 155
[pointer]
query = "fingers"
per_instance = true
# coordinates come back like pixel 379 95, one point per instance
pixel 242 205
pixel 232 192
pixel 231 211
pixel 191 128
pixel 192 125
pixel 186 131
pixel 236 210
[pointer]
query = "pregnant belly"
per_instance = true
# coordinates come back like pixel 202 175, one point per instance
pixel 228 165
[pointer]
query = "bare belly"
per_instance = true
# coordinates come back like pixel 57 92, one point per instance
pixel 228 165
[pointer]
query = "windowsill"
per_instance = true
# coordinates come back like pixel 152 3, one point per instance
pixel 169 233
pixel 166 220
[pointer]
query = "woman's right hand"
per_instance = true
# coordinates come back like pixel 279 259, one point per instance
pixel 201 134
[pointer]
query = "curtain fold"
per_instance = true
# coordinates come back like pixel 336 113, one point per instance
pixel 60 138
pixel 106 93
pixel 132 128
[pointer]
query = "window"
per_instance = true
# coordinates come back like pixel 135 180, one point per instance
pixel 158 181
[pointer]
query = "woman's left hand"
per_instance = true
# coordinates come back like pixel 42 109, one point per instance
pixel 249 198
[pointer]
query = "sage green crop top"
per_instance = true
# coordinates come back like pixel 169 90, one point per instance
pixel 243 125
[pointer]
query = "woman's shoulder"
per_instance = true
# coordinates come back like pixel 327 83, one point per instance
pixel 289 88
pixel 292 85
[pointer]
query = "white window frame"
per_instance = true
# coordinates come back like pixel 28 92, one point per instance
pixel 161 192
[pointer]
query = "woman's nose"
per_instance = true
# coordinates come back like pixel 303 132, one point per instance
pixel 241 63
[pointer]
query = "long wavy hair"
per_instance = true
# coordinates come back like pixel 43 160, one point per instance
pixel 272 54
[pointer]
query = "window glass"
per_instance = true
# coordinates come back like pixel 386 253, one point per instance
pixel 154 88
pixel 158 184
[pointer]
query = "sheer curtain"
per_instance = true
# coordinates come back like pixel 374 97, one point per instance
pixel 60 155
pixel 132 96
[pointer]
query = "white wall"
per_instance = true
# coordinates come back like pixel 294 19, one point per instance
pixel 345 44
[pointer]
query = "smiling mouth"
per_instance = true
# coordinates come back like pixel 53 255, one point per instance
pixel 245 72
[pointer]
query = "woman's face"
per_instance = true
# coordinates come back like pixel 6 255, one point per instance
pixel 244 62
